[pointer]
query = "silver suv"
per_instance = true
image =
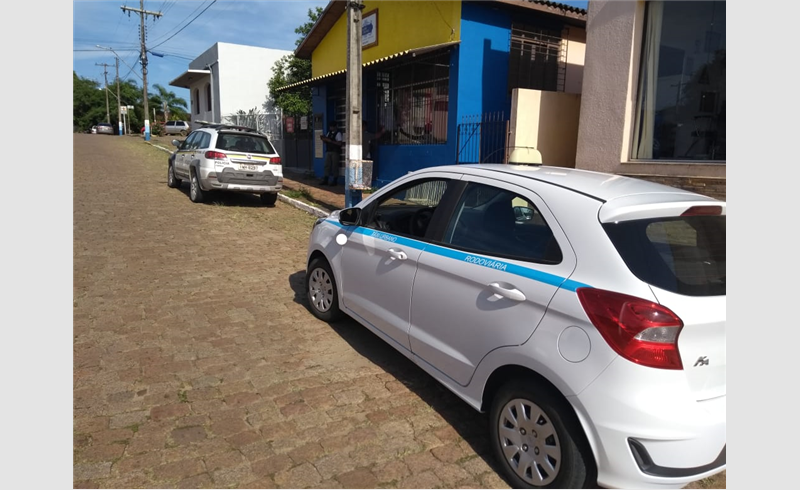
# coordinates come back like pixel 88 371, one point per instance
pixel 221 157
pixel 177 127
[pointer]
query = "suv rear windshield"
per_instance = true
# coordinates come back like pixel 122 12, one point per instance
pixel 684 255
pixel 248 143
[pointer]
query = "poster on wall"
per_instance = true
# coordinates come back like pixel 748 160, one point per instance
pixel 369 29
pixel 290 125
pixel 303 122
pixel 318 143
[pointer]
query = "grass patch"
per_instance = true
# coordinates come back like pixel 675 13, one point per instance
pixel 183 397
pixel 302 193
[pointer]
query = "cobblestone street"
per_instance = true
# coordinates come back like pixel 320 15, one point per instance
pixel 197 364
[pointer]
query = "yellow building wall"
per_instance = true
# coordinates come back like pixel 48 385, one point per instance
pixel 401 25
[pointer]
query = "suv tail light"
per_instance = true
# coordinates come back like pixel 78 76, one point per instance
pixel 639 330
pixel 275 160
pixel 215 155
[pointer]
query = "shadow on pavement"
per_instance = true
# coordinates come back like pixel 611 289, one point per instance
pixel 471 425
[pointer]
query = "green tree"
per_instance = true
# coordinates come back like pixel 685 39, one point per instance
pixel 176 106
pixel 290 69
pixel 88 103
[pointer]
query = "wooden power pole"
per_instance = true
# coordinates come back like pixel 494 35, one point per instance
pixel 142 12
pixel 353 150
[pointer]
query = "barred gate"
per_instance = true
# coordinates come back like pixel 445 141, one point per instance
pixel 483 138
pixel 298 146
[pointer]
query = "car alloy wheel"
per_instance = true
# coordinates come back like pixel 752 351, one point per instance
pixel 320 290
pixel 537 438
pixel 530 442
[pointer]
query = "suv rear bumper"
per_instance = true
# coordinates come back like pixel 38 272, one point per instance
pixel 240 181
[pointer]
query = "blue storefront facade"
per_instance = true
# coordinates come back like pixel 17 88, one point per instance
pixel 446 102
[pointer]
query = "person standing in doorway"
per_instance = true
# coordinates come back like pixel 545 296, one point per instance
pixel 333 146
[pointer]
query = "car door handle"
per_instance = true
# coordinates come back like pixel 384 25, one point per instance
pixel 510 293
pixel 398 254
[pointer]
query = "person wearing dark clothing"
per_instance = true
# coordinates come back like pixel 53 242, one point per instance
pixel 333 146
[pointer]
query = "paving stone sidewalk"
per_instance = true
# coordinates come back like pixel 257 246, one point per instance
pixel 196 363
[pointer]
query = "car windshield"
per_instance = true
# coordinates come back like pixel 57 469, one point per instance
pixel 684 255
pixel 248 143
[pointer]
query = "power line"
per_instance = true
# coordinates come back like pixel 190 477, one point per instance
pixel 187 25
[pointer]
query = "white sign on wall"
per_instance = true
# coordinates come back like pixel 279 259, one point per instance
pixel 369 29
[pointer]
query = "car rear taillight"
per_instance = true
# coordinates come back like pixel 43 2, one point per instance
pixel 639 330
pixel 215 155
pixel 703 211
pixel 275 160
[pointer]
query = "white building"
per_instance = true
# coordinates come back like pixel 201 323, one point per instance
pixel 228 78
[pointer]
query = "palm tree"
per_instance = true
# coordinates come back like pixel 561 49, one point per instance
pixel 167 99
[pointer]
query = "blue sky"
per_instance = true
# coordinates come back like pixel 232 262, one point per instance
pixel 185 30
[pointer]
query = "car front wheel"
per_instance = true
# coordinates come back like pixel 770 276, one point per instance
pixel 536 441
pixel 172 181
pixel 323 296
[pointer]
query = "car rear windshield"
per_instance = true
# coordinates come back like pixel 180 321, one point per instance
pixel 684 255
pixel 248 143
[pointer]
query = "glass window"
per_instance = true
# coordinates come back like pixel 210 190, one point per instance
pixel 494 221
pixel 409 210
pixel 243 142
pixel 537 58
pixel 208 97
pixel 413 101
pixel 191 142
pixel 204 141
pixel 196 101
pixel 681 96
pixel 684 255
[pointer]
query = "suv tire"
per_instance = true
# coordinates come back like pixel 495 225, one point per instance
pixel 195 192
pixel 172 181
pixel 269 198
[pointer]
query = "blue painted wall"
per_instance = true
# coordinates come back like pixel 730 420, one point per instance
pixel 478 85
pixel 483 67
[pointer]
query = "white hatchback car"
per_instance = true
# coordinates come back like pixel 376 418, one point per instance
pixel 584 311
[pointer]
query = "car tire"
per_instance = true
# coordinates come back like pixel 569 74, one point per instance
pixel 546 448
pixel 183 133
pixel 172 181
pixel 195 192
pixel 269 198
pixel 321 291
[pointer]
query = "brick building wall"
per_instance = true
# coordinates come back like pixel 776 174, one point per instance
pixel 708 186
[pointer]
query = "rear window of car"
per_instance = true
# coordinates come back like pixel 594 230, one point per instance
pixel 244 142
pixel 684 255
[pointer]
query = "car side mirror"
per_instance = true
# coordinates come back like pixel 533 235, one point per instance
pixel 523 213
pixel 350 216
pixel 176 143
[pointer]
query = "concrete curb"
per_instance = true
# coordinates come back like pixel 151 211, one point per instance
pixel 319 213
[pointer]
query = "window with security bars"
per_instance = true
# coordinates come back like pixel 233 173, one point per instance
pixel 413 101
pixel 538 59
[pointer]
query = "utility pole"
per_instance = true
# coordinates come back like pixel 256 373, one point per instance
pixel 142 12
pixel 119 103
pixel 105 76
pixel 353 151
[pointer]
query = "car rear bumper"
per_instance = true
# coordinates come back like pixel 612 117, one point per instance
pixel 661 438
pixel 229 179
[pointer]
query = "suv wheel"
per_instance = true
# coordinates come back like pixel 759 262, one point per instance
pixel 269 198
pixel 172 181
pixel 323 297
pixel 195 192
pixel 536 441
